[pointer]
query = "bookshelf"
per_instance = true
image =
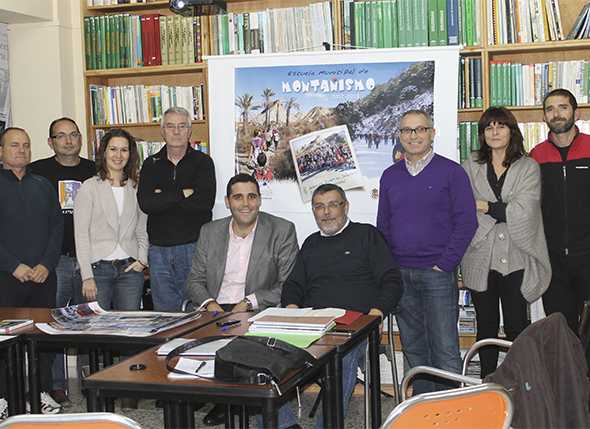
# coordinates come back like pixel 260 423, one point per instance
pixel 485 52
pixel 190 75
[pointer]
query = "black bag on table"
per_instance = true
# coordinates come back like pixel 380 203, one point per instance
pixel 250 360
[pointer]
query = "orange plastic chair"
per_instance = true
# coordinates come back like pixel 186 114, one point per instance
pixel 69 421
pixel 482 406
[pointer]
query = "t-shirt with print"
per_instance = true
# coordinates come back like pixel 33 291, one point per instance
pixel 66 181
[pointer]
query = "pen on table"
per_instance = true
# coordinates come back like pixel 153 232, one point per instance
pixel 200 366
pixel 228 327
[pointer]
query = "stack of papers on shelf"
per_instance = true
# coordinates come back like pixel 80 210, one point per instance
pixel 300 326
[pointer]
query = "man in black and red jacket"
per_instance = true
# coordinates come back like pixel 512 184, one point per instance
pixel 565 173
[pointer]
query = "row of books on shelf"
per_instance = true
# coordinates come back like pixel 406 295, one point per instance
pixel 407 23
pixel 124 40
pixel 132 104
pixel 514 84
pixel 581 28
pixel 532 132
pixel 524 21
pixel 145 148
pixel 470 87
pixel 271 30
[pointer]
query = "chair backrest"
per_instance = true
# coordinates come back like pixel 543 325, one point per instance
pixel 485 406
pixel 69 421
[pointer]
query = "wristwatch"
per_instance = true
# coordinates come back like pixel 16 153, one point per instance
pixel 249 305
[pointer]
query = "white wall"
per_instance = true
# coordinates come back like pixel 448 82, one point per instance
pixel 46 71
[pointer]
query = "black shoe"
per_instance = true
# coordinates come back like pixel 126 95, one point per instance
pixel 216 416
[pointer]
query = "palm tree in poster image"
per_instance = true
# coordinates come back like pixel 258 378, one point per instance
pixel 290 104
pixel 267 94
pixel 246 104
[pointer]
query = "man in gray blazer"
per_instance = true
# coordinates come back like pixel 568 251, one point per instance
pixel 241 261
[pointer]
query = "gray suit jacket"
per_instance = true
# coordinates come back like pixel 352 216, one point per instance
pixel 273 254
pixel 98 227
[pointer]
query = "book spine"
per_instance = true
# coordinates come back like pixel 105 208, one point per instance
pixel 453 22
pixel 433 36
pixel 442 22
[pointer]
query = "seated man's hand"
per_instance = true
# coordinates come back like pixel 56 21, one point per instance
pixel 240 307
pixel 292 306
pixel 39 273
pixel 377 312
pixel 213 306
pixel 22 273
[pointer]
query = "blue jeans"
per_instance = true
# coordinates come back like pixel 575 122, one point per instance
pixel 69 291
pixel 169 269
pixel 354 358
pixel 115 288
pixel 427 320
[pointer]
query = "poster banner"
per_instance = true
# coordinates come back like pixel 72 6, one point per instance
pixel 302 119
pixel 4 79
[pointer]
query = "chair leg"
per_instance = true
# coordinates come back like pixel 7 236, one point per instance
pixel 391 342
pixel 366 387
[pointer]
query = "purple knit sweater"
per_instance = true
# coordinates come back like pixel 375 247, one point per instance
pixel 428 219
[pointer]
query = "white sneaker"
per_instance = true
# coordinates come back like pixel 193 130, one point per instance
pixel 3 409
pixel 48 404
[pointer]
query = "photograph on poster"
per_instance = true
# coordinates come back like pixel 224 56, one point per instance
pixel 325 156
pixel 276 105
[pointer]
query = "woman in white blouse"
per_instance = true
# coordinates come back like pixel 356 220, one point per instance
pixel 110 229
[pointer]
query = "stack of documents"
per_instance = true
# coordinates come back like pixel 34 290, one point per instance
pixel 297 326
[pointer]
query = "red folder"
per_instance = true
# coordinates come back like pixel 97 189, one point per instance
pixel 349 317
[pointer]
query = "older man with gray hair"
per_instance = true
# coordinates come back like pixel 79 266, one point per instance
pixel 177 192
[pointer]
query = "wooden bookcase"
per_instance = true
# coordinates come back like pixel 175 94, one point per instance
pixel 179 75
pixel 195 74
pixel 528 53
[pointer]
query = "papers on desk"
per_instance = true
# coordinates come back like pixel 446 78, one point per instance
pixel 192 368
pixel 6 337
pixel 8 326
pixel 299 312
pixel 91 319
pixel 297 326
pixel 207 349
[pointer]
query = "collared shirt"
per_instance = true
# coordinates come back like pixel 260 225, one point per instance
pixel 233 286
pixel 341 229
pixel 415 167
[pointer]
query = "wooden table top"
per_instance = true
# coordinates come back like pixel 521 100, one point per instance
pixel 155 376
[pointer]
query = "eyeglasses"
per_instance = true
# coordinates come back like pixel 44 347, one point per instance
pixel 332 205
pixel 62 136
pixel 179 127
pixel 418 130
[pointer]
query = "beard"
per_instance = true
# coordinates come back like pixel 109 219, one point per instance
pixel 561 125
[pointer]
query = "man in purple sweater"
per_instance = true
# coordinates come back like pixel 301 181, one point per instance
pixel 427 215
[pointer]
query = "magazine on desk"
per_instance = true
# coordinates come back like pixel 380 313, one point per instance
pixel 91 319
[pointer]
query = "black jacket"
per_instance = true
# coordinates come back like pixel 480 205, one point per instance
pixel 172 218
pixel 545 373
pixel 565 199
pixel 31 223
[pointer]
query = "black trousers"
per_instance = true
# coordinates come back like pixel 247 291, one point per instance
pixel 13 293
pixel 569 287
pixel 504 290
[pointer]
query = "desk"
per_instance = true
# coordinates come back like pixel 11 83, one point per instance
pixel 153 383
pixel 365 327
pixel 96 344
pixel 11 347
